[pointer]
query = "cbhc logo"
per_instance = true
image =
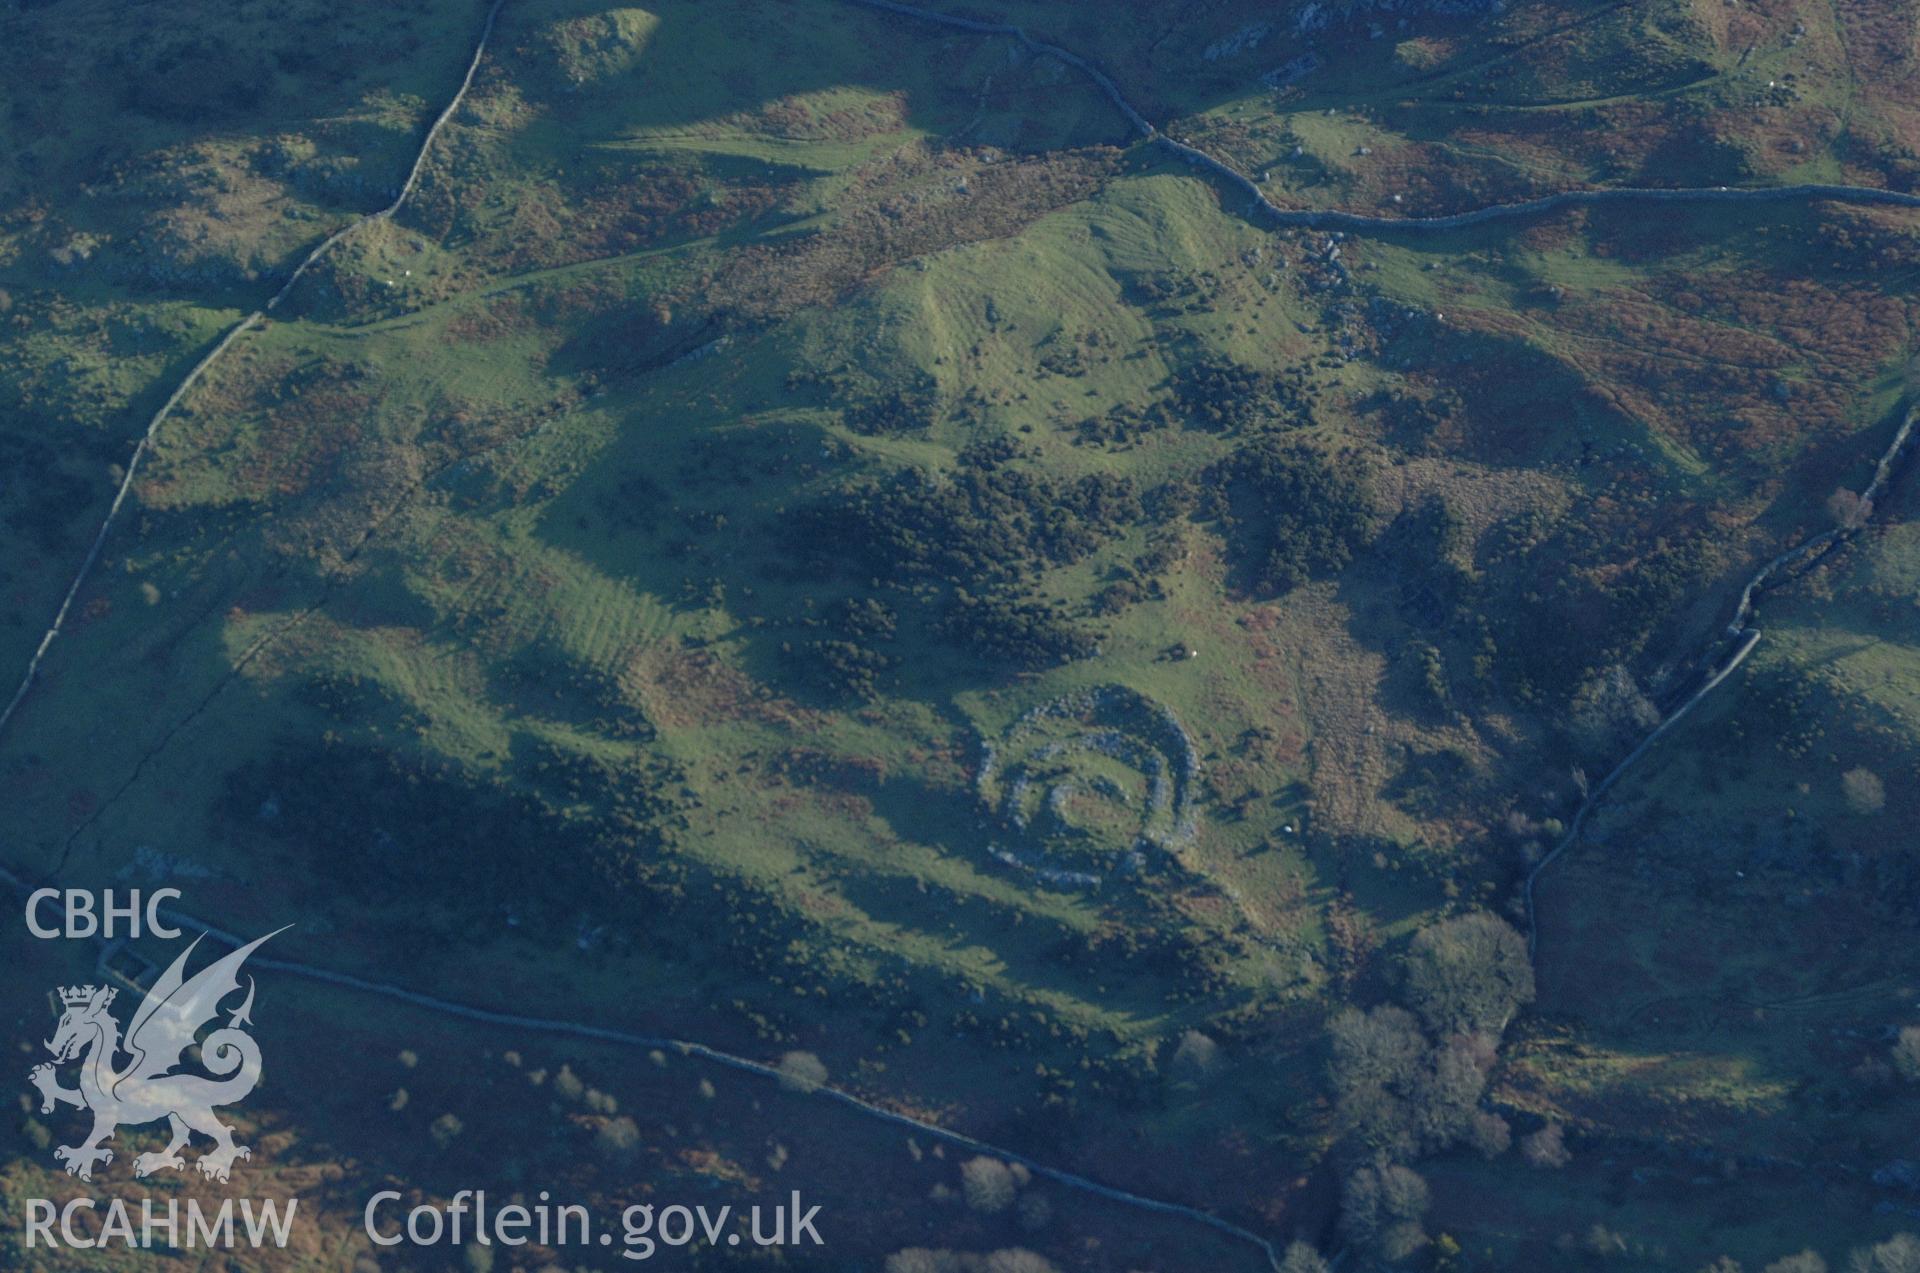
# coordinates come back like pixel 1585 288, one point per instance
pixel 82 915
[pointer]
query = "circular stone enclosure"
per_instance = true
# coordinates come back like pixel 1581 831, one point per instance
pixel 1090 784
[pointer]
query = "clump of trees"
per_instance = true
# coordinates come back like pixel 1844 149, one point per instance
pixel 896 411
pixel 1378 1068
pixel 988 519
pixel 1290 512
pixel 1427 546
pixel 1400 1095
pixel 1218 395
pixel 379 825
pixel 843 668
pixel 1409 1081
pixel 1407 1084
pixel 1019 628
pixel 966 550
pixel 1850 510
pixel 848 662
pixel 1489 1133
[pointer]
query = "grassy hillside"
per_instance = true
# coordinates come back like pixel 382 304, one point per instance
pixel 803 536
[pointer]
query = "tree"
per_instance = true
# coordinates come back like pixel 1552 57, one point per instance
pixel 1849 509
pixel 1468 975
pixel 1396 1094
pixel 1301 1258
pixel 1197 1054
pixel 1377 1069
pixel 1866 794
pixel 1603 1243
pixel 1448 1092
pixel 1489 1134
pixel 1805 1262
pixel 1547 1148
pixel 1906 1054
pixel 445 1130
pixel 1610 710
pixel 1018 1260
pixel 802 1072
pixel 1898 1254
pixel 618 1138
pixel 1382 1207
pixel 1382 1046
pixel 988 1184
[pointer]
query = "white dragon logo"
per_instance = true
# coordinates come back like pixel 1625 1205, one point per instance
pixel 143 1090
